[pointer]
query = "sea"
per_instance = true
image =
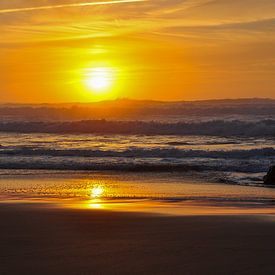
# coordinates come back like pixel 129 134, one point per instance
pixel 214 161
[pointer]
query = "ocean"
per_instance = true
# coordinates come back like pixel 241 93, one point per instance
pixel 236 160
pixel 219 156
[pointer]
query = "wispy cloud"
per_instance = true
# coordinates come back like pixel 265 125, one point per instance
pixel 97 3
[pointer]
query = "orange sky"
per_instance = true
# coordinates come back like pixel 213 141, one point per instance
pixel 154 49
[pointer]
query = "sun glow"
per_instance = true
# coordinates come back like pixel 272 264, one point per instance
pixel 100 80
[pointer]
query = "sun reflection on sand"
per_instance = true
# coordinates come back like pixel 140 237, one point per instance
pixel 97 191
pixel 96 194
pixel 96 204
pixel 128 193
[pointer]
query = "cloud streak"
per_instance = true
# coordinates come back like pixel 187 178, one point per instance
pixel 74 5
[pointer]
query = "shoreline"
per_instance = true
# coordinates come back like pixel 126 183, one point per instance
pixel 146 206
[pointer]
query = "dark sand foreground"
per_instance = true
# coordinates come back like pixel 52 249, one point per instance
pixel 40 240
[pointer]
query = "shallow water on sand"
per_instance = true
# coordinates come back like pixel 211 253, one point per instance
pixel 164 193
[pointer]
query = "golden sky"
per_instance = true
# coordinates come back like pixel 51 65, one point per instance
pixel 75 51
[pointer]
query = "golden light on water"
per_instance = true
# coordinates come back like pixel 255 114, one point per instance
pixel 96 204
pixel 97 191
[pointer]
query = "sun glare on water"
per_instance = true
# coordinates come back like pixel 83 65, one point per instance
pixel 97 191
pixel 99 80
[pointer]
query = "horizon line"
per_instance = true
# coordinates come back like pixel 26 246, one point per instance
pixel 131 99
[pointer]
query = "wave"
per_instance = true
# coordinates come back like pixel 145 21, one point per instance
pixel 212 128
pixel 76 166
pixel 253 165
pixel 141 153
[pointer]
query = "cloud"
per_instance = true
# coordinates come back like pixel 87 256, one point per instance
pixel 69 6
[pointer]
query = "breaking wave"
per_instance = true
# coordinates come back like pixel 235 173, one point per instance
pixel 139 160
pixel 214 127
pixel 141 153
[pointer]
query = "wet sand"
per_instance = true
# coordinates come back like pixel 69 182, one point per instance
pixel 35 239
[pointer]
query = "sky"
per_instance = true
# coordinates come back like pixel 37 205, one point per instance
pixel 82 51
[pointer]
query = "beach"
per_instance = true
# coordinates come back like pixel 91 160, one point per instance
pixel 119 223
pixel 55 222
pixel 40 239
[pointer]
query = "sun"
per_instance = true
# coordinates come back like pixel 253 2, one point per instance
pixel 99 80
